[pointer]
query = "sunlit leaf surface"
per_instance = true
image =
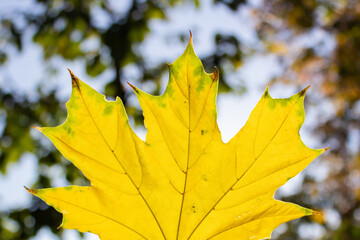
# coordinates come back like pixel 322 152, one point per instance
pixel 182 182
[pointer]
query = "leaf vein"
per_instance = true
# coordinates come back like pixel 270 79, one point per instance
pixel 142 196
pixel 97 213
pixel 260 218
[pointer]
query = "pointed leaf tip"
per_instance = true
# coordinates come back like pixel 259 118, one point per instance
pixel 74 79
pixel 30 190
pixel 133 88
pixel 302 92
pixel 317 213
pixel 37 128
pixel 190 43
pixel 215 74
pixel 325 149
pixel 266 92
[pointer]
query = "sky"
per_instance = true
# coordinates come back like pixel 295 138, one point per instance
pixel 159 46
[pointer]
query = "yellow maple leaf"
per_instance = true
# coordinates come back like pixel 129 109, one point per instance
pixel 183 182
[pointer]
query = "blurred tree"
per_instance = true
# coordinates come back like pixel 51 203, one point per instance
pixel 313 39
pixel 104 38
pixel 323 42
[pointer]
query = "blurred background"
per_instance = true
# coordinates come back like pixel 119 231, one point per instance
pixel 288 43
